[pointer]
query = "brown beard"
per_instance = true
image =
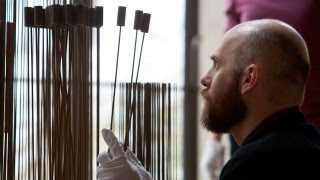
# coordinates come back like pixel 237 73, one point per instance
pixel 224 109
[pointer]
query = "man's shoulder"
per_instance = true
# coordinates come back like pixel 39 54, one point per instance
pixel 286 145
pixel 292 153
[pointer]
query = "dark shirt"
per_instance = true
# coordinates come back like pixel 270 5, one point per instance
pixel 284 146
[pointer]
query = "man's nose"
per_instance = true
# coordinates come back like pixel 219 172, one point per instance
pixel 204 81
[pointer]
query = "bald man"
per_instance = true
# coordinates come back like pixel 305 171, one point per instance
pixel 254 90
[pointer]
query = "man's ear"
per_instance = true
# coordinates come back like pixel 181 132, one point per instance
pixel 249 78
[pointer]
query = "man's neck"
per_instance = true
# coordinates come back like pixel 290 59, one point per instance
pixel 251 121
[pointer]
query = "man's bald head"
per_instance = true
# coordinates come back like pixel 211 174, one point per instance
pixel 282 54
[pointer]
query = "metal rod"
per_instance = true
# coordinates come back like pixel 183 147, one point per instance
pixel 2 85
pixel 120 22
pixel 98 92
pixel 115 80
pixel 128 119
pixel 142 22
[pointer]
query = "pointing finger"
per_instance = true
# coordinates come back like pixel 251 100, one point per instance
pixel 113 143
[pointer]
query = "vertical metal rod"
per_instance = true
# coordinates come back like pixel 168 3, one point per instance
pixel 147 127
pixel 138 68
pixel 9 119
pixel 169 138
pixel 71 90
pixel 134 96
pixel 90 105
pixel 38 100
pixel 50 101
pixel 98 91
pixel 46 102
pixel 130 108
pixel 163 125
pixel 32 110
pixel 139 125
pixel 13 141
pixel 14 11
pixel 43 109
pixel 28 150
pixel 142 22
pixel 2 84
pixel 120 22
pixel 115 80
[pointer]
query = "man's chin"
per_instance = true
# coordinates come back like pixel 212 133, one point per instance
pixel 213 128
pixel 218 131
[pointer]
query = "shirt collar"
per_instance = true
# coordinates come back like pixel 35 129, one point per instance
pixel 282 119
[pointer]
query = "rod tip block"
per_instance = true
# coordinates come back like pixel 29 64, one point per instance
pixel 121 21
pixel 146 22
pixel 138 18
pixel 98 16
pixel 28 16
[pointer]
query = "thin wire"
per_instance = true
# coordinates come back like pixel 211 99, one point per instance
pixel 115 80
pixel 2 75
pixel 98 90
pixel 134 96
pixel 140 58
pixel 130 88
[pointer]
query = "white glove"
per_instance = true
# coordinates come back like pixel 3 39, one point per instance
pixel 123 165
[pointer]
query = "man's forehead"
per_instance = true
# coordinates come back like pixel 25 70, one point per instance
pixel 231 43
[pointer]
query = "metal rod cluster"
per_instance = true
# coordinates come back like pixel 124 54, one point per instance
pixel 7 136
pixel 63 16
pixel 153 126
pixel 146 119
pixel 49 130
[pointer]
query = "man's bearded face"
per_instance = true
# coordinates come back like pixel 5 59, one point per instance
pixel 224 107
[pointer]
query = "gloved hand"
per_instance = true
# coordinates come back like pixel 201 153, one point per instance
pixel 121 165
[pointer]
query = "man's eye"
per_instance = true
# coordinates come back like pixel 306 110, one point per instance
pixel 214 63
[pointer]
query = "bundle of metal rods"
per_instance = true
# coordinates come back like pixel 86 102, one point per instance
pixel 63 113
pixel 153 135
pixel 146 120
pixel 7 126
pixel 48 129
pixel 7 71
